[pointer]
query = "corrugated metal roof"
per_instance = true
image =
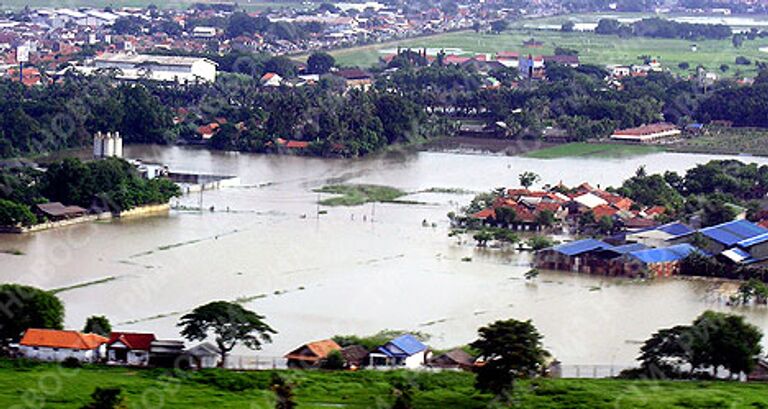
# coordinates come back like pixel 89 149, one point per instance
pixel 733 232
pixel 675 229
pixel 753 241
pixel 404 345
pixel 581 246
pixel 664 255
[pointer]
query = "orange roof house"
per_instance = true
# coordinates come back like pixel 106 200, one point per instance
pixel 49 338
pixel 311 354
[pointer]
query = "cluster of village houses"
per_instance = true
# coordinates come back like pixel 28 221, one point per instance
pixel 145 350
pixel 639 245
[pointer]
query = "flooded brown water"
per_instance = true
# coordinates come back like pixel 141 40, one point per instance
pixel 315 277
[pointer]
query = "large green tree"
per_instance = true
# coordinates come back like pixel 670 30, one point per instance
pixel 23 307
pixel 510 350
pixel 229 324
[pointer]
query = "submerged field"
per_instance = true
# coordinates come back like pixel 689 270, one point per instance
pixel 593 49
pixel 49 386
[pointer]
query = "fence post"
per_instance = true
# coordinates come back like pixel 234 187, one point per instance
pixel 578 372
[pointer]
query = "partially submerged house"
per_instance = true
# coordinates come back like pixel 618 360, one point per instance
pixel 311 354
pixel 660 262
pixel 721 237
pixel 403 351
pixel 569 256
pixel 58 345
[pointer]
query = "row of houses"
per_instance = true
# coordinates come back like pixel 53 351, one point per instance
pixel 404 351
pixel 566 205
pixel 120 348
pixel 659 251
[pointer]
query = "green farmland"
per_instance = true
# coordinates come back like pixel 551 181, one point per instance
pixel 49 386
pixel 593 49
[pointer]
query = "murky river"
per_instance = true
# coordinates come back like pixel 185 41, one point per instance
pixel 352 270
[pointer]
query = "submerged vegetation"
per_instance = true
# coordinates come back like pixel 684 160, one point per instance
pixel 355 195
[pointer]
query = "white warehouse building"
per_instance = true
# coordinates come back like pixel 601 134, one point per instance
pixel 157 67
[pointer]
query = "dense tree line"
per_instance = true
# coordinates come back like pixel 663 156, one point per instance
pixel 662 28
pixel 67 113
pixel 107 185
pixel 709 191
pixel 744 106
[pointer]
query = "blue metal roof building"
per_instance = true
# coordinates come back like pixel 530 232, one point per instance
pixel 402 347
pixel 731 233
pixel 663 255
pixel 575 248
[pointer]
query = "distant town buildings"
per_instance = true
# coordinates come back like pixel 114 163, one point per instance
pixel 163 68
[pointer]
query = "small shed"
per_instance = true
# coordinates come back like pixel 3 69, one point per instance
pixel 760 373
pixel 454 359
pixel 355 356
pixel 204 356
pixel 128 348
pixel 55 211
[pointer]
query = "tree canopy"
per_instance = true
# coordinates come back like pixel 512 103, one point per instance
pixel 23 307
pixel 229 323
pixel 511 350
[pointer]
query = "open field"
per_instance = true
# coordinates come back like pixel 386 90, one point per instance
pixel 732 141
pixel 587 21
pixel 593 48
pixel 592 149
pixel 168 4
pixel 49 386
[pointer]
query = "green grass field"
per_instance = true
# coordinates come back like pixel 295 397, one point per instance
pixel 592 149
pixel 168 4
pixel 49 386
pixel 593 49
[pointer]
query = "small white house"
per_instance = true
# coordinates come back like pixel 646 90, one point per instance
pixel 132 349
pixel 404 351
pixel 58 345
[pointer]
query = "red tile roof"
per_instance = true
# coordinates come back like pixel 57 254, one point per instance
pixel 646 129
pixel 604 211
pixel 61 339
pixel 132 340
pixel 317 350
pixel 297 144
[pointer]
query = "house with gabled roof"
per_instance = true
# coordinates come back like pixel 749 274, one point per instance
pixel 311 354
pixel 404 351
pixel 127 348
pixel 59 345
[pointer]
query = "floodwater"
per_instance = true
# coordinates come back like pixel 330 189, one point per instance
pixel 353 270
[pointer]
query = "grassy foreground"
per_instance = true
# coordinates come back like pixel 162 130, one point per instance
pixel 593 49
pixel 50 386
pixel 581 149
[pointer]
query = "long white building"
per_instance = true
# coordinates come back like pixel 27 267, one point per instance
pixel 156 67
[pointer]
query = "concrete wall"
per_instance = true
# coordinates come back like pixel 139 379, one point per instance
pixel 58 354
